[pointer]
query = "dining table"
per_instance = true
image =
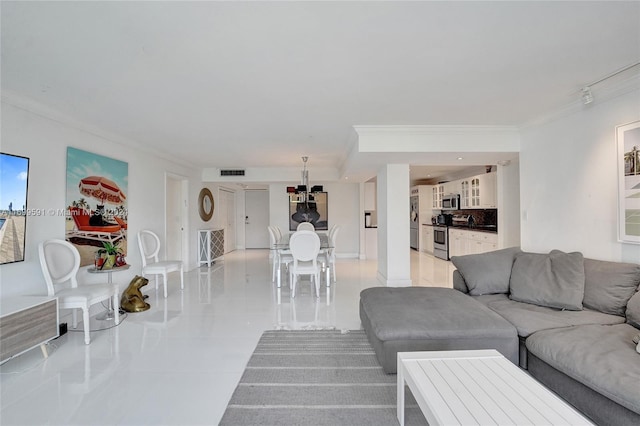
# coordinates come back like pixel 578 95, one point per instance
pixel 282 245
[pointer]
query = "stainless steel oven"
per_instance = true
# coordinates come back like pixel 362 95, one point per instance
pixel 441 242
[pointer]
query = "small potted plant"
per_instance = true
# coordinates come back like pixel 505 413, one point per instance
pixel 109 252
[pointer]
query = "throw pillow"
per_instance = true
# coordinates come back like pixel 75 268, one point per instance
pixel 633 310
pixel 608 286
pixel 555 280
pixel 486 273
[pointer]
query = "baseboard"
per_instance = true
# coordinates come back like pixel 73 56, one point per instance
pixel 394 283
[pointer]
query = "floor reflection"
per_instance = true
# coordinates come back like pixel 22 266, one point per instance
pixel 305 311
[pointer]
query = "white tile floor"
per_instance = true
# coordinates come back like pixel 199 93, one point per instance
pixel 179 362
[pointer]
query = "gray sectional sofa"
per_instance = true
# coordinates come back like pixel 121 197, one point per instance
pixel 569 321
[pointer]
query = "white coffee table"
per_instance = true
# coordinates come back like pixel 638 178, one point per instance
pixel 478 388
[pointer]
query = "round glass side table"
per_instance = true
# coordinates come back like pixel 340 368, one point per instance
pixel 108 315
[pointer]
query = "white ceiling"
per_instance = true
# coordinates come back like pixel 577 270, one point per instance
pixel 259 84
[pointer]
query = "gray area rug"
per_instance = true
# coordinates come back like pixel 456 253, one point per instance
pixel 316 378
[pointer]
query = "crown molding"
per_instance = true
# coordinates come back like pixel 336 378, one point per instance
pixel 34 107
pixel 430 130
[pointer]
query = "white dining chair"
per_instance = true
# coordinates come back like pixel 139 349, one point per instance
pixel 280 257
pixel 305 246
pixel 149 244
pixel 60 262
pixel 305 226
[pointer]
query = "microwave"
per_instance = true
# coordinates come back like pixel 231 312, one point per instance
pixel 451 202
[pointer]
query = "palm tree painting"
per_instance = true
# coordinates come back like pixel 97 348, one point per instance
pixel 629 182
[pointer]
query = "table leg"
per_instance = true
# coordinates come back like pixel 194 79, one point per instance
pixel 109 314
pixel 327 271
pixel 279 274
pixel 400 408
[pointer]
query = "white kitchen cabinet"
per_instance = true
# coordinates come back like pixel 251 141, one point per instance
pixel 437 191
pixel 450 187
pixel 425 203
pixel 463 242
pixel 482 192
pixel 458 243
pixel 427 239
pixel 488 190
pixel 465 193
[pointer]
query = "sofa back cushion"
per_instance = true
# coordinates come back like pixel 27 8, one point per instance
pixel 555 280
pixel 486 273
pixel 633 310
pixel 608 286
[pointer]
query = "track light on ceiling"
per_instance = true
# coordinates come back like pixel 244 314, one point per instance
pixel 587 96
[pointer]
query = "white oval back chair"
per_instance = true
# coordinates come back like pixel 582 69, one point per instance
pixel 149 245
pixel 305 226
pixel 60 261
pixel 280 257
pixel 305 246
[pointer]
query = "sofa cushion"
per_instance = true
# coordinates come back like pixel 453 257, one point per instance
pixel 555 280
pixel 528 318
pixel 485 299
pixel 427 312
pixel 608 286
pixel 602 357
pixel 431 319
pixel 633 310
pixel 459 283
pixel 486 273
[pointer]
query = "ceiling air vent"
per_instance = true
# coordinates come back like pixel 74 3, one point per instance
pixel 232 172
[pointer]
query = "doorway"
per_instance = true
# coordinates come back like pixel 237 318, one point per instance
pixel 176 214
pixel 256 219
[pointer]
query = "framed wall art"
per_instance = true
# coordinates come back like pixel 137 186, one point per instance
pixel 312 208
pixel 628 154
pixel 97 204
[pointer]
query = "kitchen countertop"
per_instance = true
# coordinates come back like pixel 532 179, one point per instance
pixel 492 229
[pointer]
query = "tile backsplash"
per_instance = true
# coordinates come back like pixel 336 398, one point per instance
pixel 480 216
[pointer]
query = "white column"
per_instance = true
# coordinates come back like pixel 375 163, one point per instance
pixel 394 263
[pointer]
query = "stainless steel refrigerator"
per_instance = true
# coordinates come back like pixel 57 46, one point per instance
pixel 414 222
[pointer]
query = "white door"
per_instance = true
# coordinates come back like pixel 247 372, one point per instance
pixel 228 219
pixel 175 211
pixel 256 219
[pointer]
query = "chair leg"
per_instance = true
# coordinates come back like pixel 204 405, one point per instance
pixel 292 282
pixel 164 276
pixel 87 326
pixel 316 279
pixel 273 270
pixel 333 271
pixel 182 278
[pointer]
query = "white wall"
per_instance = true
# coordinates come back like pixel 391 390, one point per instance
pixel 45 142
pixel 508 187
pixel 343 200
pixel 568 181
